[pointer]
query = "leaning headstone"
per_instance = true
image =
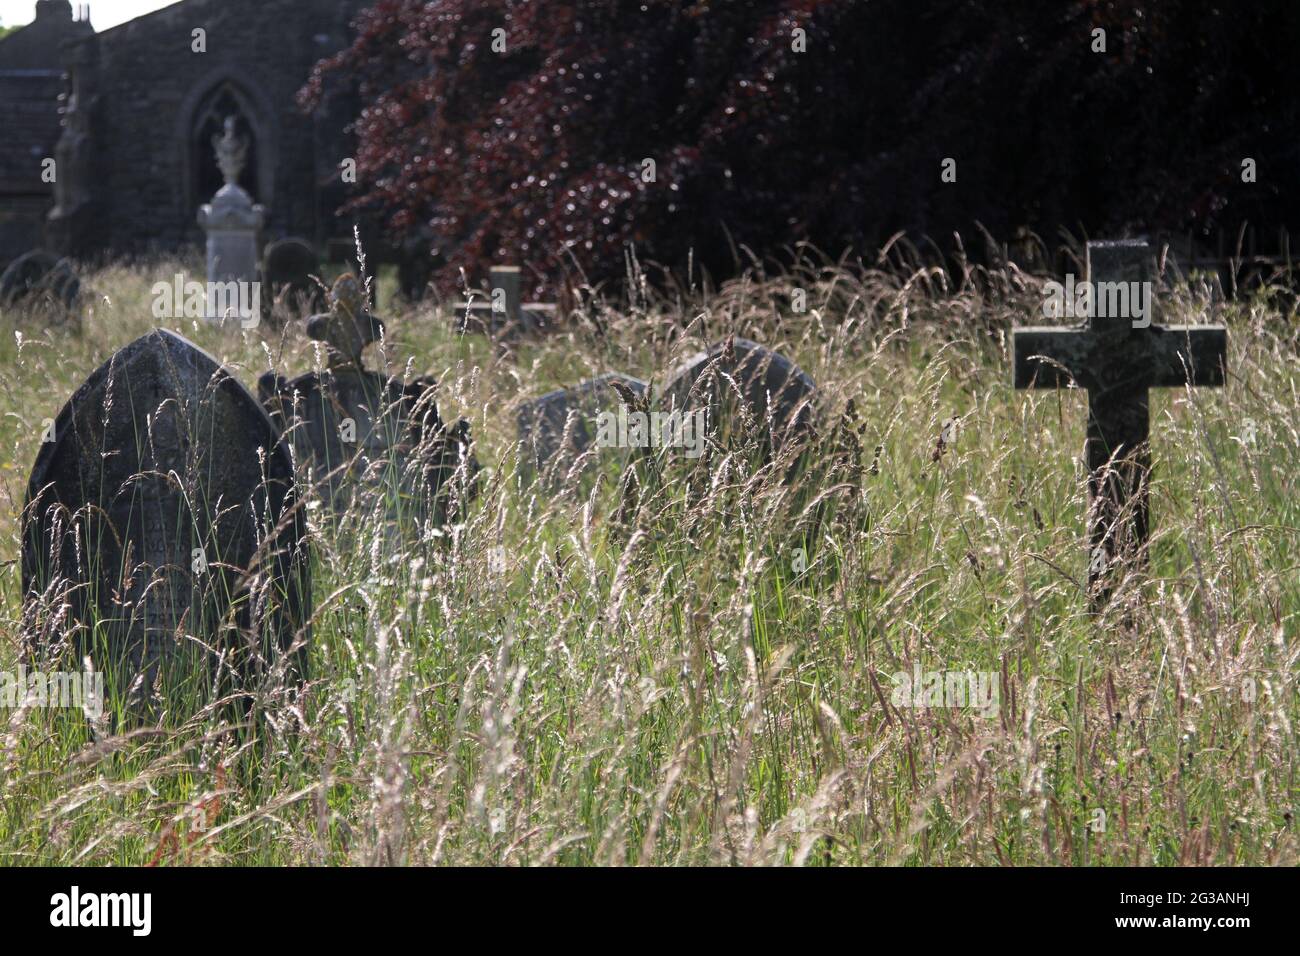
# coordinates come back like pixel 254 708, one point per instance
pixel 160 528
pixel 502 312
pixel 558 427
pixel 360 432
pixel 231 222
pixel 742 386
pixel 22 277
pixel 1118 355
pixel 290 268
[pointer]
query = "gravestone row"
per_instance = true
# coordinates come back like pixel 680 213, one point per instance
pixel 731 382
pixel 164 524
pixel 165 501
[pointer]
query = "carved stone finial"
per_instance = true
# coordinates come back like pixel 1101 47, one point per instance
pixel 348 327
pixel 232 150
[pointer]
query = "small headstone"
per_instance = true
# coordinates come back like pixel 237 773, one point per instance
pixel 361 431
pixel 44 288
pixel 739 375
pixel 290 268
pixel 160 519
pixel 62 286
pixel 502 312
pixel 231 221
pixel 549 442
pixel 1118 355
pixel 23 277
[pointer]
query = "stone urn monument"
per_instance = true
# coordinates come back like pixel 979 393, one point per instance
pixel 232 222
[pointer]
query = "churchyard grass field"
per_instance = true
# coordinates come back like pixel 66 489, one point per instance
pixel 716 666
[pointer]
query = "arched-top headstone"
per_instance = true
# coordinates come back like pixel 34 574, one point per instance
pixel 549 442
pixel 22 277
pixel 43 290
pixel 62 285
pixel 776 392
pixel 289 270
pixel 161 518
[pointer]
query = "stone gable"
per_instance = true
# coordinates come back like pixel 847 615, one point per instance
pixel 31 81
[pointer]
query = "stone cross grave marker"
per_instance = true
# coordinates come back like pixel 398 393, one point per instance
pixel 1118 354
pixel 503 311
pixel 161 523
pixel 358 429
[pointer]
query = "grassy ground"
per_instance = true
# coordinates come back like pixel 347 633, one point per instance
pixel 705 675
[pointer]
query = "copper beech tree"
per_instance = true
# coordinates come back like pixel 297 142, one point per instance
pixel 559 133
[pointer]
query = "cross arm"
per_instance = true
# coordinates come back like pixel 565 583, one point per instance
pixel 1169 356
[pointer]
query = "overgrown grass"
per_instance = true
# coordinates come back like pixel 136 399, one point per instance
pixel 704 675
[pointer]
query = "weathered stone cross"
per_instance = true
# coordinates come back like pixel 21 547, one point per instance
pixel 1117 358
pixel 348 327
pixel 504 310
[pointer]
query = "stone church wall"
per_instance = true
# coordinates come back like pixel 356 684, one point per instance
pixel 150 87
pixel 31 79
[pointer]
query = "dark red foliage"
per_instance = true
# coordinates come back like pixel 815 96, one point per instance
pixel 535 155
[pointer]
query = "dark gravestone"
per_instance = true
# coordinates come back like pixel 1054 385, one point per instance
pixel 416 260
pixel 43 289
pixel 744 386
pixel 1118 355
pixel 160 514
pixel 290 268
pixel 23 277
pixel 558 427
pixel 61 286
pixel 360 431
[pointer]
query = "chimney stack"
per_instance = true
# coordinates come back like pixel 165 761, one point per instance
pixel 57 9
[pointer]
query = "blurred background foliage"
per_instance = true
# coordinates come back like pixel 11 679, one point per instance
pixel 537 153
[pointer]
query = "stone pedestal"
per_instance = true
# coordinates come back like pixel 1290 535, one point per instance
pixel 232 222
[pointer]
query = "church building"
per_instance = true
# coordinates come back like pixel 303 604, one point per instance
pixel 129 115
